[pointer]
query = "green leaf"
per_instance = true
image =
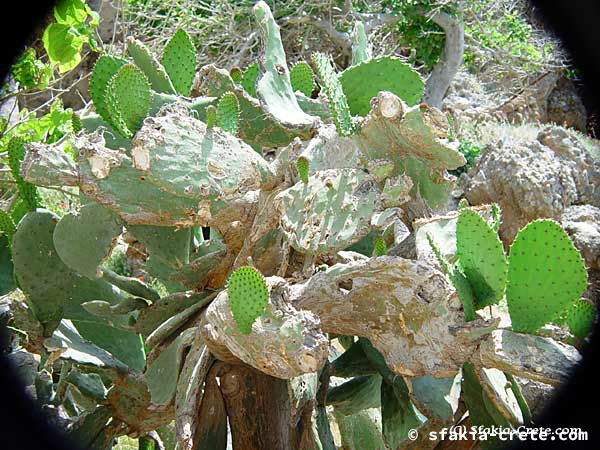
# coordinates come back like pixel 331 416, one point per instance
pixel 70 12
pixel 63 44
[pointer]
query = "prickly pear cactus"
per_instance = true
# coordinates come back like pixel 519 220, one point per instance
pixel 385 73
pixel 379 246
pixel 104 69
pixel 249 78
pixel 302 78
pixel 303 166
pixel 340 112
pixel 581 317
pixel 179 61
pixel 128 99
pixel 228 113
pixel 7 224
pixel 360 44
pixel 147 62
pixel 248 296
pixel 481 258
pixel 27 192
pixel 545 275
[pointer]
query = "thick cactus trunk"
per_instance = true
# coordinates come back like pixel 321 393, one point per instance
pixel 259 410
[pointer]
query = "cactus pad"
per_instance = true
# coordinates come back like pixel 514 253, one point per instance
pixel 545 275
pixel 340 111
pixel 364 81
pixel 302 78
pixel 154 71
pixel 303 166
pixel 379 247
pixel 249 78
pixel 332 211
pixel 7 224
pixel 248 296
pixel 273 87
pixel 27 191
pixel 179 60
pixel 481 257
pixel 106 67
pixel 236 74
pixel 228 113
pixel 581 317
pixel 211 116
pixel 84 240
pixel 128 99
pixel 52 289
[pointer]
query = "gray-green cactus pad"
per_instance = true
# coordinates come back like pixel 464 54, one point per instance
pixel 332 211
pixel 85 239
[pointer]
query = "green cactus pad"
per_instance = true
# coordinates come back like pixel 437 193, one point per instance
pixel 228 113
pixel 7 224
pixel 340 112
pixel 356 394
pixel 128 99
pixel 364 81
pixel 249 78
pixel 7 277
pixel 211 117
pixel 465 293
pixel 27 191
pixel 248 296
pixel 84 240
pixel 302 166
pixel 179 60
pixel 545 275
pixel 302 78
pixel 581 317
pixel 236 74
pixel 106 67
pixel 379 247
pixel 481 257
pixel 19 208
pixel 154 71
pixel 52 289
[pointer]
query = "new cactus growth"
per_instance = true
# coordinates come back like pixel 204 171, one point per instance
pixel 248 296
pixel 228 113
pixel 581 317
pixel 249 78
pixel 147 62
pixel 179 61
pixel 340 112
pixel 379 246
pixel 302 78
pixel 128 99
pixel 546 274
pixel 27 192
pixel 303 166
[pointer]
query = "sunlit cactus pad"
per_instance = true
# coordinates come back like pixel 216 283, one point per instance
pixel 248 296
pixel 545 275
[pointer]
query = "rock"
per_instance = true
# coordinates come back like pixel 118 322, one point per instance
pixel 582 223
pixel 531 180
pixel 536 394
pixel 565 106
